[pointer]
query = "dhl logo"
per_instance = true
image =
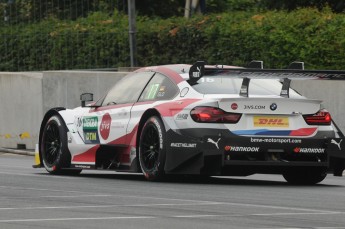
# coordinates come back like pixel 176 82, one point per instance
pixel 263 121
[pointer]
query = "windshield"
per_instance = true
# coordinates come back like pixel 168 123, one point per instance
pixel 230 85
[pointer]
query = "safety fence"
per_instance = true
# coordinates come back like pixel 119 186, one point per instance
pixel 34 36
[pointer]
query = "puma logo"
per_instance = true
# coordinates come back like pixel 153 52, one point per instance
pixel 336 143
pixel 213 142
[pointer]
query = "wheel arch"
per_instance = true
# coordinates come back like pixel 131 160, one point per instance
pixel 146 115
pixel 47 116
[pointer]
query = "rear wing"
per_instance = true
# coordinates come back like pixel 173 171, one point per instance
pixel 255 70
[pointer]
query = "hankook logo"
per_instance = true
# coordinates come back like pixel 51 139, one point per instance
pixel 242 149
pixel 309 150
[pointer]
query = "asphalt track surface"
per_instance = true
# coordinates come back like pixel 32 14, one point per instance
pixel 31 198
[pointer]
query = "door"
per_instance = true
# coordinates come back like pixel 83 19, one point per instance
pixel 107 124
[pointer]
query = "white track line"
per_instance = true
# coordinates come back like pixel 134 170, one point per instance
pixel 38 175
pixel 197 202
pixel 310 212
pixel 43 189
pixel 104 206
pixel 157 217
pixel 74 219
pixel 267 214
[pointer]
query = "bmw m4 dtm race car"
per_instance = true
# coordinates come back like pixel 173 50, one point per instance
pixel 198 119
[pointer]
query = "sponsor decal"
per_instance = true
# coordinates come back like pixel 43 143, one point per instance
pixel 284 92
pixel 234 106
pixel 210 140
pixel 90 128
pixel 242 149
pixel 254 107
pixel 91 136
pixel 244 90
pixel 333 141
pixel 90 123
pixel 105 126
pixel 269 121
pixel 181 116
pixel 183 145
pixel 159 133
pixel 276 140
pixel 197 74
pixel 82 166
pixel 273 106
pixel 309 150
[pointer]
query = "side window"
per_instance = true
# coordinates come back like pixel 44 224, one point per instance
pixel 159 88
pixel 128 89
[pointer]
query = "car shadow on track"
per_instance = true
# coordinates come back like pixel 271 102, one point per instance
pixel 181 179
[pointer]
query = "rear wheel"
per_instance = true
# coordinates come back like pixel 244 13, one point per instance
pixel 152 149
pixel 53 147
pixel 305 176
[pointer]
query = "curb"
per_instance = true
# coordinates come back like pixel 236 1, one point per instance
pixel 17 151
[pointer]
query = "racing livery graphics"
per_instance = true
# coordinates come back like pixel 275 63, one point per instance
pixel 90 128
pixel 198 119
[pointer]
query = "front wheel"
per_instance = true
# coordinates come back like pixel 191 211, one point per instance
pixel 152 149
pixel 305 176
pixel 53 147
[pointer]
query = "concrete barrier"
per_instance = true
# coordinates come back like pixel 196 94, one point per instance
pixel 26 96
pixel 20 108
pixel 63 88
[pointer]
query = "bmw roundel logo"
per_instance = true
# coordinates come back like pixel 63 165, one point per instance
pixel 273 106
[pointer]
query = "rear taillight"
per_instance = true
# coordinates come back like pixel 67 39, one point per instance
pixel 213 115
pixel 323 117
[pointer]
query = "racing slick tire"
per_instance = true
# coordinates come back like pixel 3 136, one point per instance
pixel 152 149
pixel 53 147
pixel 305 176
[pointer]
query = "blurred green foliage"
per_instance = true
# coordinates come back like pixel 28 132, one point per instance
pixel 335 5
pixel 99 40
pixel 72 38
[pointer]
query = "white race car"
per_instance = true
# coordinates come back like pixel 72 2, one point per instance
pixel 199 119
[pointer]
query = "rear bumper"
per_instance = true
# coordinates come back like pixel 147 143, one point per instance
pixel 225 154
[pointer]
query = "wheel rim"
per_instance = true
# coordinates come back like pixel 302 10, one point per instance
pixel 150 147
pixel 52 143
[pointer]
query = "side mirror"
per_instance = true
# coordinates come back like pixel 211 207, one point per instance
pixel 86 97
